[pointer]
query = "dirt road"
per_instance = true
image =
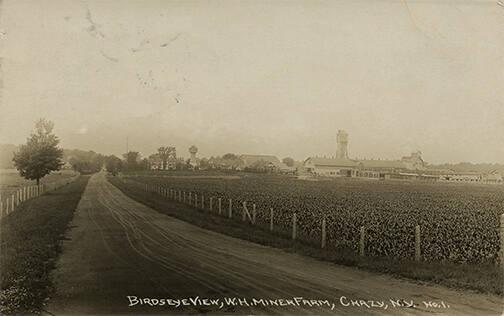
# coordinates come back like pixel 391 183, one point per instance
pixel 118 247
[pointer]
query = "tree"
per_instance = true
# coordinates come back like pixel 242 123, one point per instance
pixel 230 156
pixel 113 164
pixel 166 153
pixel 288 161
pixel 156 161
pixel 41 154
pixel 85 162
pixel 132 160
pixel 144 164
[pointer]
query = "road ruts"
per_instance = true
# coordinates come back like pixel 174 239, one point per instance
pixel 119 247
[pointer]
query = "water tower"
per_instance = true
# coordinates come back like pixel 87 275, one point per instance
pixel 193 150
pixel 342 144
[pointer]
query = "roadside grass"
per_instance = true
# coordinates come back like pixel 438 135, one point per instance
pixel 29 247
pixel 484 278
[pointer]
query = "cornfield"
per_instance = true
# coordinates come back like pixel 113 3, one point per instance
pixel 459 223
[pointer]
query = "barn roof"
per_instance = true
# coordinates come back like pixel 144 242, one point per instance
pixel 251 159
pixel 383 164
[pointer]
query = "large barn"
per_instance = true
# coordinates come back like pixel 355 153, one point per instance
pixel 342 166
pixel 332 167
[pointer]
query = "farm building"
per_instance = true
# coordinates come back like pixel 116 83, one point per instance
pixel 331 167
pixel 267 163
pixel 342 166
pixel 493 177
pixel 462 177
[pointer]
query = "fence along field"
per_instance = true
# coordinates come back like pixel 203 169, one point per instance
pixel 432 222
pixel 14 189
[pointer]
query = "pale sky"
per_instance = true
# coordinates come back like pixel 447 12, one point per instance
pixel 263 77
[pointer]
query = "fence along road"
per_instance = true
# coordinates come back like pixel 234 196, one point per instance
pixel 119 247
pixel 29 192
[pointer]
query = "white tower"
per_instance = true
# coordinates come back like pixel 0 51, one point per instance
pixel 193 150
pixel 342 145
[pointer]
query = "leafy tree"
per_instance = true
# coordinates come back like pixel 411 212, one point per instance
pixel 86 162
pixel 144 164
pixel 288 161
pixel 204 164
pixel 166 153
pixel 41 154
pixel 113 164
pixel 132 160
pixel 155 160
pixel 230 156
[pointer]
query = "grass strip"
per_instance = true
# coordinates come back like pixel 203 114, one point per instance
pixel 29 247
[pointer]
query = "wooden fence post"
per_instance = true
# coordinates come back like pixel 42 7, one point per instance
pixel 12 203
pixel 502 240
pixel 323 242
pixel 418 253
pixel 271 219
pixel 253 213
pixel 220 206
pixel 362 241
pixel 1 208
pixel 211 203
pixel 243 211
pixel 184 193
pixel 230 208
pixel 190 195
pixel 196 200
pixel 294 226
pixel 202 202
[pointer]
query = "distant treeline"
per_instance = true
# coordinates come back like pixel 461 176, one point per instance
pixel 90 161
pixel 76 159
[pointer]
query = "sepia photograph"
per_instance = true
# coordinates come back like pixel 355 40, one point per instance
pixel 252 157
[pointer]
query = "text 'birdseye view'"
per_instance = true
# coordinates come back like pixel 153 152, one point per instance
pixel 251 158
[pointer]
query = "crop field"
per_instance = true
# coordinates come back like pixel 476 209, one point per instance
pixel 459 223
pixel 10 180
